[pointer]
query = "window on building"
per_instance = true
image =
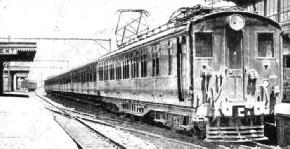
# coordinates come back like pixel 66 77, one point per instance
pixel 272 9
pixel 284 10
pixel 265 45
pixel 203 45
pixel 170 57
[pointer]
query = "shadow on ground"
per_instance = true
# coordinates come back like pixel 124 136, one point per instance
pixel 14 94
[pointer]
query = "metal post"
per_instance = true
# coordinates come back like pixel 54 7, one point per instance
pixel 8 76
pixel 1 77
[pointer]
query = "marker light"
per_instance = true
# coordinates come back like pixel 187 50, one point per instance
pixel 236 22
pixel 266 83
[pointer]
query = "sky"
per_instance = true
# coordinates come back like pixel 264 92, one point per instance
pixel 73 19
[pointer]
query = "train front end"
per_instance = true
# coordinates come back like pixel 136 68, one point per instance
pixel 237 73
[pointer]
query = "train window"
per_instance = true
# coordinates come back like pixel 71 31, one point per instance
pixel 94 73
pixel 112 71
pixel 155 60
pixel 203 45
pixel 94 76
pixel 87 79
pixel 126 69
pixel 83 76
pixel 79 77
pixel 134 65
pixel 118 71
pixel 265 45
pixel 137 65
pixel 91 75
pixel 101 72
pixel 170 57
pixel 106 71
pixel 286 59
pixel 143 64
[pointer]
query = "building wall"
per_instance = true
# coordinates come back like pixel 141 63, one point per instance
pixel 278 10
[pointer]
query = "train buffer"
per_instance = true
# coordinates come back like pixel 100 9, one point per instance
pixel 25 123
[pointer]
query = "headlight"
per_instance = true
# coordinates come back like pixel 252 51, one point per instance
pixel 266 83
pixel 236 22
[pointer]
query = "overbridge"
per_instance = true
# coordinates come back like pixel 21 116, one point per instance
pixel 15 52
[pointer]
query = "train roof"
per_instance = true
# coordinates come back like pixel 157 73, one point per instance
pixel 182 27
pixel 176 25
pixel 213 15
pixel 148 38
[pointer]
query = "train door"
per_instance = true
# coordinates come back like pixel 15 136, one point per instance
pixel 286 77
pixel 181 67
pixel 235 64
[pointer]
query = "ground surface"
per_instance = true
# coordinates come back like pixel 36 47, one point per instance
pixel 26 124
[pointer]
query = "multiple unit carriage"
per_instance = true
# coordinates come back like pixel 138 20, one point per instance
pixel 214 72
pixel 30 85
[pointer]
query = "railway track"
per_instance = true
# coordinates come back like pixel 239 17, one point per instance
pixel 99 125
pixel 89 134
pixel 157 140
pixel 83 135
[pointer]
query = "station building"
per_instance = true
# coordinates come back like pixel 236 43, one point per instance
pixel 11 72
pixel 278 10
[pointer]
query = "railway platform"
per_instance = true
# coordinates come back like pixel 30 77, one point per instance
pixel 26 124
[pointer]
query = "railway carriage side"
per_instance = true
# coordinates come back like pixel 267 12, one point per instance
pixel 146 73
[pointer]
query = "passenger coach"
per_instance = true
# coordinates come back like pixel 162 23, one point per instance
pixel 208 71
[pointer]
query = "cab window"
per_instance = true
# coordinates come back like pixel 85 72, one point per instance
pixel 203 45
pixel 265 45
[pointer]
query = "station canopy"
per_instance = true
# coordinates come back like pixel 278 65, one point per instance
pixel 241 3
pixel 244 3
pixel 17 51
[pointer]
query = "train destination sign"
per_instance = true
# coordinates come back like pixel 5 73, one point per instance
pixel 8 51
